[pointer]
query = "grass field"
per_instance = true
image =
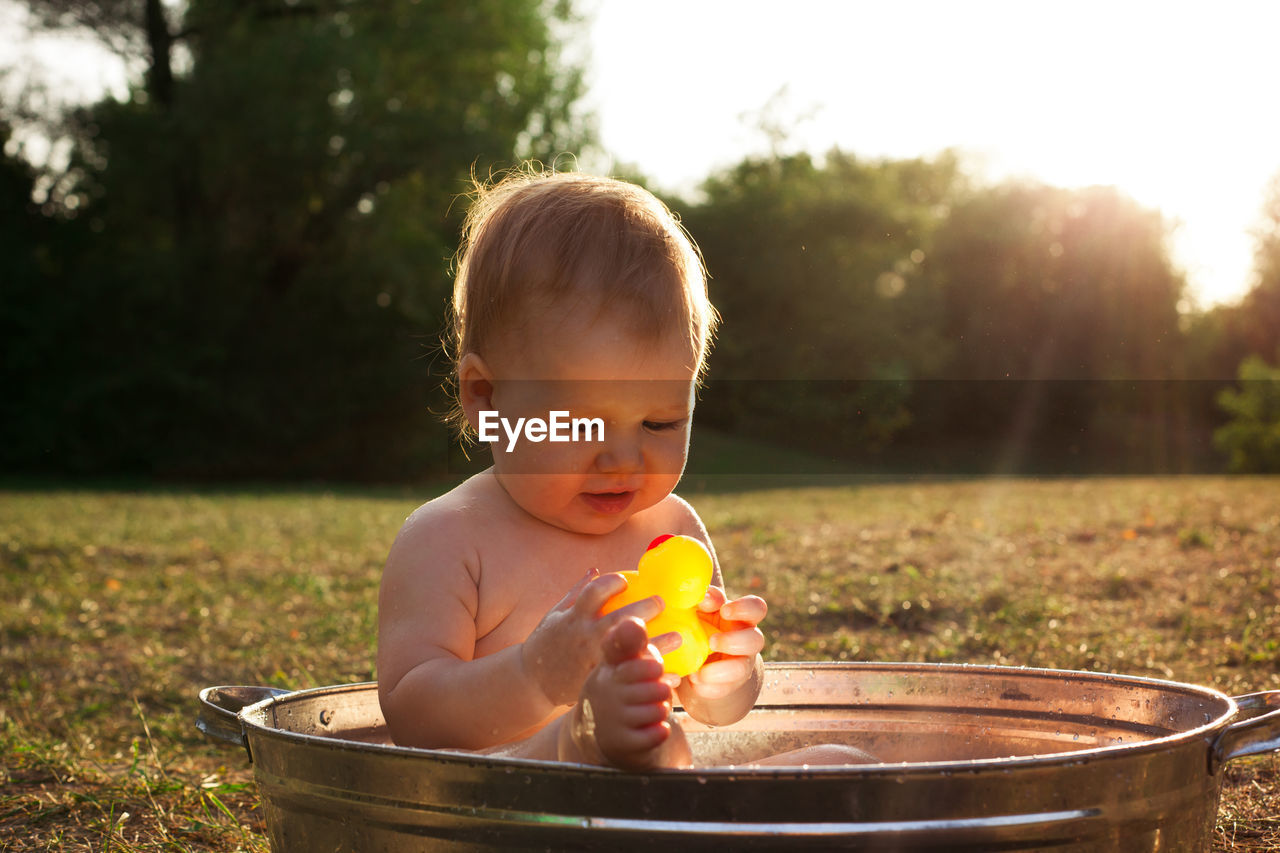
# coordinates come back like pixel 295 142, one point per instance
pixel 117 607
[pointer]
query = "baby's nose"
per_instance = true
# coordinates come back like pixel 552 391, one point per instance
pixel 620 457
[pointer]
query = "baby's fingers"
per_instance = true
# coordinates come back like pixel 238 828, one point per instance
pixel 571 597
pixel 750 609
pixel 668 642
pixel 644 610
pixel 713 600
pixel 744 642
pixel 721 676
pixel 599 590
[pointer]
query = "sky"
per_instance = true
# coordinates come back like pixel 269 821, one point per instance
pixel 1171 102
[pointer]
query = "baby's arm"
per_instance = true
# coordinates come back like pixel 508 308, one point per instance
pixel 434 691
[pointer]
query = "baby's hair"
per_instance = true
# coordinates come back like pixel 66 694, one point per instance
pixel 535 239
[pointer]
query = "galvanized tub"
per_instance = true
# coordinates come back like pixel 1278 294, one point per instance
pixel 975 758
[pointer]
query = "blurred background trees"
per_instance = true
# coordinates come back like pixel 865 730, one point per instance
pixel 1251 332
pixel 243 267
pixel 921 322
pixel 1252 436
pixel 818 270
pixel 262 232
pixel 1258 317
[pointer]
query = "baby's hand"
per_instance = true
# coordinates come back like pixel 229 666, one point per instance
pixel 732 662
pixel 565 647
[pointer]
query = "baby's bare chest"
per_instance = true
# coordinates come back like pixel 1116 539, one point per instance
pixel 517 588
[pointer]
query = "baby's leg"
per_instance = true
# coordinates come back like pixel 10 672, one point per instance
pixel 823 753
pixel 623 717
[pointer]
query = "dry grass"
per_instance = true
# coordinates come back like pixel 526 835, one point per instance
pixel 1169 578
pixel 116 608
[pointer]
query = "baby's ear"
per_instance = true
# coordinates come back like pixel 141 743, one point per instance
pixel 475 387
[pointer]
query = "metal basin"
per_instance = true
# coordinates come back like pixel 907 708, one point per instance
pixel 974 758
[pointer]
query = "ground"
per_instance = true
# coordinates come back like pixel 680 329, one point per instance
pixel 116 607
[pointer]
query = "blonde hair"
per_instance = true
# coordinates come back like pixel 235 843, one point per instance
pixel 536 238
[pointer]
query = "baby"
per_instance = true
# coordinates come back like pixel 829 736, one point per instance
pixel 581 329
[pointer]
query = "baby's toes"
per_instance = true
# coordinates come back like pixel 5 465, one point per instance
pixel 624 641
pixel 634 747
pixel 643 671
pixel 643 716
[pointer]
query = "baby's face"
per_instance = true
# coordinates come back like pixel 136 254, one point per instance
pixel 640 392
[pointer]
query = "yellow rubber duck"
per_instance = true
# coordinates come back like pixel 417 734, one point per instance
pixel 679 569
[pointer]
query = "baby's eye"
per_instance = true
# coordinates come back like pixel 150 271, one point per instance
pixel 664 426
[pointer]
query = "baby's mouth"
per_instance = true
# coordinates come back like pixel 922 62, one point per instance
pixel 608 503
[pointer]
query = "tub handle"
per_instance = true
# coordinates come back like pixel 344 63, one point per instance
pixel 220 707
pixel 1256 733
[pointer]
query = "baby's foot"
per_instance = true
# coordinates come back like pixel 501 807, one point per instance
pixel 623 717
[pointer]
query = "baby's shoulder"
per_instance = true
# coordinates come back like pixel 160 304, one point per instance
pixel 676 515
pixel 445 527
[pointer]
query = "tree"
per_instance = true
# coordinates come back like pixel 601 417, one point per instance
pixel 1226 335
pixel 273 213
pixel 1260 309
pixel 33 249
pixel 1064 304
pixel 1252 437
pixel 818 269
pixel 1042 282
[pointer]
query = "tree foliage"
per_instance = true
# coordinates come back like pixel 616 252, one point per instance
pixel 244 268
pixel 1221 338
pixel 892 303
pixel 33 337
pixel 1061 306
pixel 1260 309
pixel 1047 283
pixel 1252 436
pixel 818 269
pixel 268 223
